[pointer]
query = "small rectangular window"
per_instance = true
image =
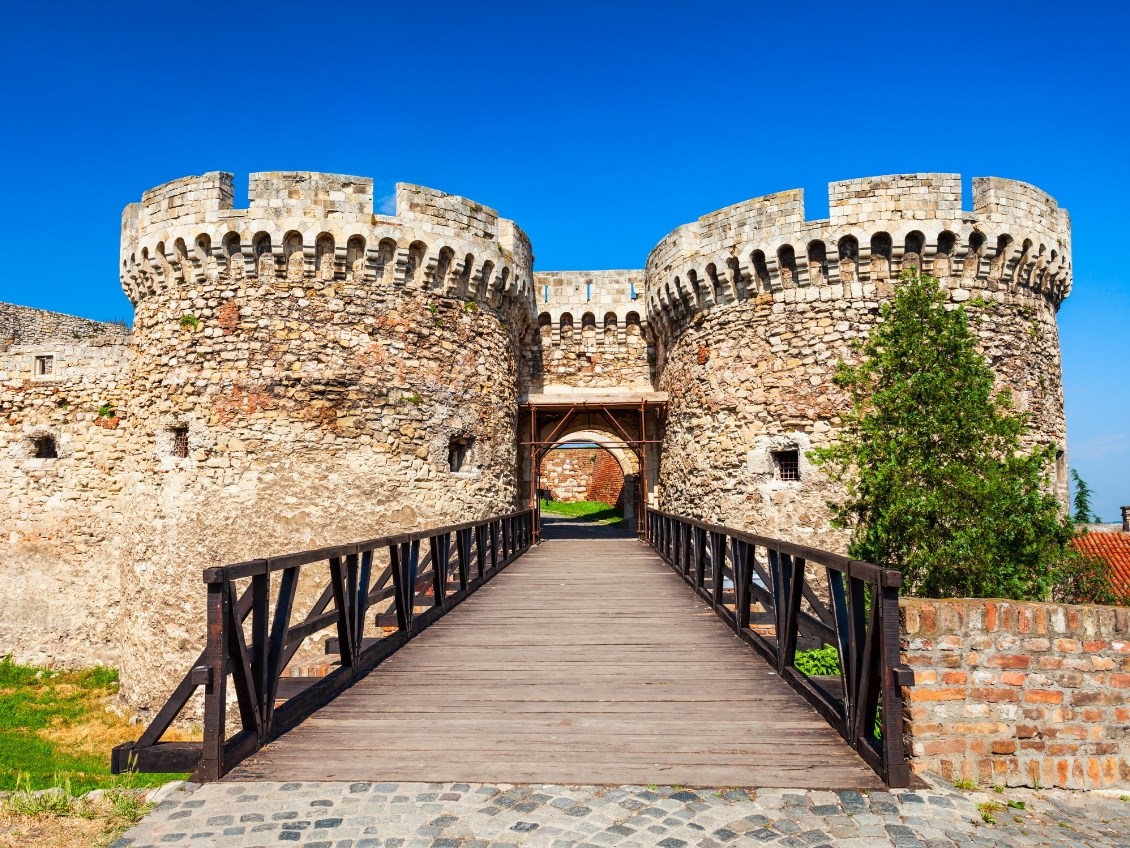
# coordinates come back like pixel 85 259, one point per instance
pixel 457 451
pixel 788 464
pixel 44 365
pixel 180 442
pixel 45 447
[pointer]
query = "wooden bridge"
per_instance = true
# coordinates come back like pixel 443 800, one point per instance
pixel 582 661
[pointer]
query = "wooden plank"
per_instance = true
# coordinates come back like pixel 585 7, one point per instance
pixel 584 662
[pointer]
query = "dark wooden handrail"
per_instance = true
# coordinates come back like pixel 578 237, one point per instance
pixel 458 559
pixel 860 618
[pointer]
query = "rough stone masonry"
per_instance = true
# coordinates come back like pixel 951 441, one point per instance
pixel 308 371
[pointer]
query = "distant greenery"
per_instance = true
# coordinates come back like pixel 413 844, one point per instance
pixel 55 730
pixel 596 511
pixel 1082 500
pixel 930 455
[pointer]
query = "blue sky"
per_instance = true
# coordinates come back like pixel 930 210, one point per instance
pixel 599 127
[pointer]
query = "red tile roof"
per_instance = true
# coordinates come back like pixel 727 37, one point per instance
pixel 1114 549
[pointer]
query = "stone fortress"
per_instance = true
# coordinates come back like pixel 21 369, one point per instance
pixel 306 371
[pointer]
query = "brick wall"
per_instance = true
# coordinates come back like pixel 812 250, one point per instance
pixel 582 474
pixel 1015 693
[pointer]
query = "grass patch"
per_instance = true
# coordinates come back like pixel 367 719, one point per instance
pixel 59 819
pixel 596 511
pixel 55 730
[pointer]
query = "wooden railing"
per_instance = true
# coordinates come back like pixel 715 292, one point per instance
pixel 252 639
pixel 760 587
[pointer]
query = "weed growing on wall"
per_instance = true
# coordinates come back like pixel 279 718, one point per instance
pixel 930 456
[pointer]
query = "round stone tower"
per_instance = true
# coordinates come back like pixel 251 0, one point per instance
pixel 752 306
pixel 305 372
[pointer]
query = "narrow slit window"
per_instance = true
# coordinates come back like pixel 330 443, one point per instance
pixel 788 464
pixel 180 442
pixel 45 447
pixel 458 452
pixel 44 366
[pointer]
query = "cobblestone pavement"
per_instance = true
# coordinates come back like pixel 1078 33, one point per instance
pixel 421 815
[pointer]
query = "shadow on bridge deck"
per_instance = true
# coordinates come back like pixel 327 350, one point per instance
pixel 556 528
pixel 587 661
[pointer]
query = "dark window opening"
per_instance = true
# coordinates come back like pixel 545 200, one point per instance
pixel 44 366
pixel 788 464
pixel 45 447
pixel 458 451
pixel 180 442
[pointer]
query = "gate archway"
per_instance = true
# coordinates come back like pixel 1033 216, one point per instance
pixel 629 427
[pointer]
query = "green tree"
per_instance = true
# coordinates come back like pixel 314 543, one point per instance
pixel 1082 500
pixel 930 456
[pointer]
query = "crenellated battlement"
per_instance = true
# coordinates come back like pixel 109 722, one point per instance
pixel 302 224
pixel 1016 238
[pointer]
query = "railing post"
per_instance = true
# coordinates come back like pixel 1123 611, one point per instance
pixel 481 550
pixel 699 557
pixel 215 691
pixel 740 553
pixel 260 600
pixel 894 754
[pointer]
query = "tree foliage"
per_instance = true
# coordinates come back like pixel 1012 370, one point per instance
pixel 1082 500
pixel 930 455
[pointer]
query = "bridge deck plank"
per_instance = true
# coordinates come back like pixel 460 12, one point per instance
pixel 585 662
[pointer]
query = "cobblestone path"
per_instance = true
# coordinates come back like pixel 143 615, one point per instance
pixel 460 815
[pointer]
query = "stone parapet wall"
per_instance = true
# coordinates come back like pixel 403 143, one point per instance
pixel 581 474
pixel 591 332
pixel 1016 693
pixel 23 325
pixel 299 223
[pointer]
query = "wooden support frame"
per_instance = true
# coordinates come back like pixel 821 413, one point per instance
pixel 606 411
pixel 861 620
pixel 254 654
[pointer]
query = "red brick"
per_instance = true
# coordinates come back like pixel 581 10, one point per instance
pixel 944 746
pixel 1043 696
pixel 918 694
pixel 1024 620
pixel 1120 681
pixel 995 696
pixel 1004 746
pixel 1083 699
pixel 1009 661
pixel 1067 646
pixel 1094 647
pixel 1058 749
pixel 955 677
pixel 1013 678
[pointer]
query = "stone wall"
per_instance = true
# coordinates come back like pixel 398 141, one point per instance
pixel 322 360
pixel 1021 694
pixel 591 333
pixel 582 474
pixel 22 325
pixel 59 514
pixel 752 307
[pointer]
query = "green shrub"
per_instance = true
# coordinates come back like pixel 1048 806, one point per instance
pixel 818 662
